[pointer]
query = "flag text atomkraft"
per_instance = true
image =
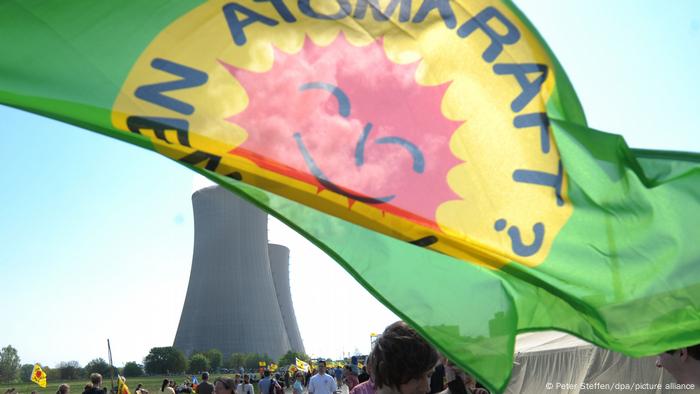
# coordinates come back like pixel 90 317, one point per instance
pixel 489 23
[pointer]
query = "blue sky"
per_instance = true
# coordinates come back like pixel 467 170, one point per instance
pixel 96 235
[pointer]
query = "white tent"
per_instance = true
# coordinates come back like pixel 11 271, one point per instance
pixel 554 362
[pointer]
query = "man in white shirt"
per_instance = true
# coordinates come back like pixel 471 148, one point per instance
pixel 322 383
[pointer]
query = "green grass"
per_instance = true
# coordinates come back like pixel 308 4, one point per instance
pixel 151 383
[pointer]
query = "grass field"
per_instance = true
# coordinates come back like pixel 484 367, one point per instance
pixel 151 383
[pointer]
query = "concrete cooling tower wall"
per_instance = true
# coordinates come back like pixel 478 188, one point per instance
pixel 279 263
pixel 231 303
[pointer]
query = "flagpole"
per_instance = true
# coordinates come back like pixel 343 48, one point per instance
pixel 111 367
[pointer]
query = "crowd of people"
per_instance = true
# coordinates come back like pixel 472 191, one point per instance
pixel 400 362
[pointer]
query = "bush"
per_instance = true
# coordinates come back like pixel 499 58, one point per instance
pixel 215 359
pixel 100 366
pixel 25 373
pixel 290 357
pixel 236 361
pixel 69 370
pixel 198 363
pixel 163 360
pixel 132 370
pixel 9 364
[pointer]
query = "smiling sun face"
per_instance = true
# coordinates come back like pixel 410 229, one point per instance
pixel 348 119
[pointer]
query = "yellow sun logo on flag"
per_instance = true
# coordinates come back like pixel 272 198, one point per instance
pixel 425 122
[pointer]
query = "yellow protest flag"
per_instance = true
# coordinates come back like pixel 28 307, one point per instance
pixel 273 367
pixel 122 388
pixel 38 376
pixel 303 366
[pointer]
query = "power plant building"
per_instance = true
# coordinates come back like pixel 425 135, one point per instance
pixel 232 303
pixel 279 265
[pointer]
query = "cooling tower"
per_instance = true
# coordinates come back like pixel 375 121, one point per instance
pixel 279 263
pixel 231 303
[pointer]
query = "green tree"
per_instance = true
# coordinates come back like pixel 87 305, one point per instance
pixel 100 366
pixel 215 359
pixel 69 370
pixel 290 357
pixel 236 361
pixel 52 374
pixel 9 364
pixel 163 360
pixel 25 373
pixel 198 363
pixel 252 360
pixel 132 370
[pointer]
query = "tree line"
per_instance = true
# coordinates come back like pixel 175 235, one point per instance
pixel 159 361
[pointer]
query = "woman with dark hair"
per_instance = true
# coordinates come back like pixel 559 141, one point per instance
pixel 63 389
pixel 224 386
pixel 400 362
pixel 165 387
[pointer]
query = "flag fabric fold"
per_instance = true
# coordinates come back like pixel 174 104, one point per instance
pixel 38 376
pixel 435 149
pixel 122 388
pixel 302 365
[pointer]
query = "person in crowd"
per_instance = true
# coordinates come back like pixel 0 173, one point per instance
pixel 287 379
pixel 322 383
pixel 363 376
pixel 437 380
pixel 298 386
pixel 683 364
pixel 245 387
pixel 338 373
pixel 88 388
pixel 278 379
pixel 204 387
pixel 460 382
pixel 264 383
pixel 350 378
pixel 166 388
pixel 96 382
pixel 307 377
pixel 401 362
pixel 63 389
pixel 353 364
pixel 366 386
pixel 140 389
pixel 224 386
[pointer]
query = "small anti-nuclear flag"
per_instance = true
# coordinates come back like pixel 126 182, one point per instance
pixel 122 388
pixel 38 376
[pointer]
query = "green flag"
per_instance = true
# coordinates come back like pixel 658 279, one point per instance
pixel 435 149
